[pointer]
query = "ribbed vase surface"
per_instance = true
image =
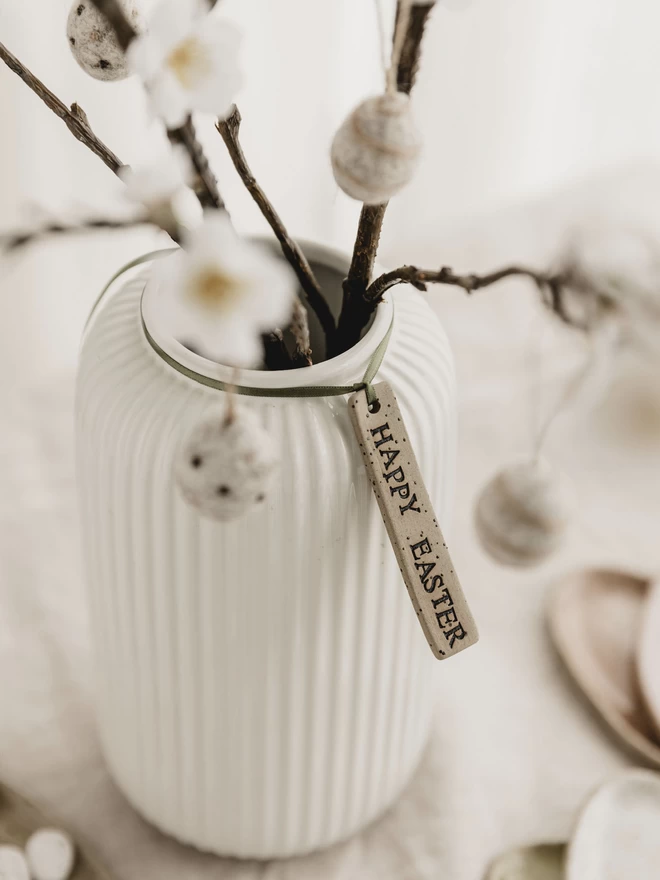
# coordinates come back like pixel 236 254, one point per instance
pixel 264 688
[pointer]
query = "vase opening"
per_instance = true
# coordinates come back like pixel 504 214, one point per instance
pixel 330 268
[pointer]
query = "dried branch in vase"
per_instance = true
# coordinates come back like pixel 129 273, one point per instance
pixel 233 300
pixel 229 129
pixel 355 313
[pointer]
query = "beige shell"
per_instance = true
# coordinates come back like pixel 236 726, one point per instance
pixel 595 616
pixel 648 656
pixel 375 151
pixel 93 43
pixel 544 861
pixel 521 514
pixel 617 836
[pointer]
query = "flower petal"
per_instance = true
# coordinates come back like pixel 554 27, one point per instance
pixel 173 20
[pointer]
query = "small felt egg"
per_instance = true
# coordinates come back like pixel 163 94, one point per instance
pixel 227 464
pixel 93 42
pixel 375 151
pixel 13 864
pixel 50 854
pixel 522 513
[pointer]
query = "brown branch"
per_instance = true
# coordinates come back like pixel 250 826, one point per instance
pixel 421 278
pixel 205 184
pixel 299 328
pixel 13 241
pixel 229 129
pixel 276 354
pixel 411 53
pixel 75 119
pixel 354 315
pixel 554 287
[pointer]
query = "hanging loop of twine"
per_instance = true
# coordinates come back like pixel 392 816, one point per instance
pixel 390 60
pixel 601 343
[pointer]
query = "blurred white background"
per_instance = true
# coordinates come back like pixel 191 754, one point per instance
pixel 515 97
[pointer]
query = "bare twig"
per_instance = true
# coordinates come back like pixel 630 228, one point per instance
pixel 554 287
pixel 420 278
pixel 276 355
pixel 299 328
pixel 75 119
pixel 205 185
pixel 13 241
pixel 354 314
pixel 229 129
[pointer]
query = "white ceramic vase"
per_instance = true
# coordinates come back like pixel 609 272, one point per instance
pixel 264 688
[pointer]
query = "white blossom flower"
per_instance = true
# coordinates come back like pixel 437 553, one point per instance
pixel 222 292
pixel 188 60
pixel 162 188
pixel 158 182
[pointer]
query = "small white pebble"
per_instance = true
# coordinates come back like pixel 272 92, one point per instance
pixel 50 854
pixel 13 865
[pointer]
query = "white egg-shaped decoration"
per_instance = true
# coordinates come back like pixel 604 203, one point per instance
pixel 93 42
pixel 376 150
pixel 13 864
pixel 227 464
pixel 50 854
pixel 522 513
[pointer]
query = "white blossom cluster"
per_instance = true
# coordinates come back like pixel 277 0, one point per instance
pixel 219 292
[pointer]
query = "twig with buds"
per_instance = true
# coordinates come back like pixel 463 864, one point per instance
pixel 229 129
pixel 75 118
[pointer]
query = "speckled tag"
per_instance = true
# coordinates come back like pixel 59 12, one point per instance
pixel 411 524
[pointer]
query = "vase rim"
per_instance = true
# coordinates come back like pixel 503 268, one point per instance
pixel 342 368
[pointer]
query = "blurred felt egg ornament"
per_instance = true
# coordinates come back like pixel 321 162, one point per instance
pixel 375 151
pixel 522 513
pixel 227 464
pixel 93 42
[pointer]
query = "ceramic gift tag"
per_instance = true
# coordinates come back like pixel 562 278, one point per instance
pixel 411 524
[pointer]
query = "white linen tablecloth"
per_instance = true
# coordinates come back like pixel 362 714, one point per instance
pixel 514 752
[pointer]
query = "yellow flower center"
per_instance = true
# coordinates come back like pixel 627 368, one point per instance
pixel 214 290
pixel 189 61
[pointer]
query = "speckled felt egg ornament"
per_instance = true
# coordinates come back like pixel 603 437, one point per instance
pixel 93 42
pixel 522 513
pixel 376 150
pixel 227 464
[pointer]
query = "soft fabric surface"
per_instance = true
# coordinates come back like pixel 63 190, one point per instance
pixel 515 751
